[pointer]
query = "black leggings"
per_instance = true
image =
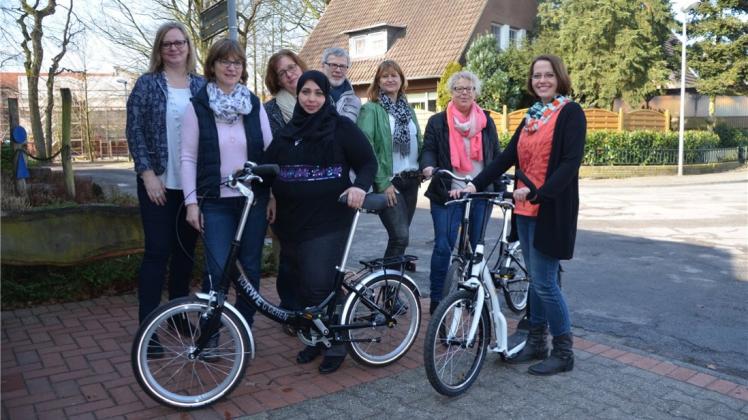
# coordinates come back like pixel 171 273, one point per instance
pixel 312 263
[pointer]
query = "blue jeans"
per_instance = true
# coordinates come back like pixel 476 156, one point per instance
pixel 221 218
pixel 447 221
pixel 546 300
pixel 169 241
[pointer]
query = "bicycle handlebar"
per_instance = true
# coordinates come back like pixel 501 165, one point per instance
pixel 372 201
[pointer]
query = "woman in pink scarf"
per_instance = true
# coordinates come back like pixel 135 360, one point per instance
pixel 462 139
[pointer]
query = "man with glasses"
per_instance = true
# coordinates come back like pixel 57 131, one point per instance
pixel 335 64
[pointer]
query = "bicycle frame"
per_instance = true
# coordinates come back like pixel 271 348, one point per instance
pixel 481 284
pixel 236 275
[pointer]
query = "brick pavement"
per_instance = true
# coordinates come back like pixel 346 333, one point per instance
pixel 73 361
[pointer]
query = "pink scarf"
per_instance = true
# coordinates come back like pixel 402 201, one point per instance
pixel 476 122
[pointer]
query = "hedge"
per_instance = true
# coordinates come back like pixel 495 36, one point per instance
pixel 605 147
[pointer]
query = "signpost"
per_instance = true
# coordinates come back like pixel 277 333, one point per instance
pixel 214 20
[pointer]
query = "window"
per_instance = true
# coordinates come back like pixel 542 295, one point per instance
pixel 506 35
pixel 368 45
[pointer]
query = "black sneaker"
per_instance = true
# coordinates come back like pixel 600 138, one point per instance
pixel 210 352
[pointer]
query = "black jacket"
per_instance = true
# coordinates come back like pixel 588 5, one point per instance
pixel 556 229
pixel 436 153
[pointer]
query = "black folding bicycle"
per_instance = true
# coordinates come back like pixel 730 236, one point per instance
pixel 205 344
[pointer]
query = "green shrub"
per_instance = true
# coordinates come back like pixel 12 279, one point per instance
pixel 643 147
pixel 731 137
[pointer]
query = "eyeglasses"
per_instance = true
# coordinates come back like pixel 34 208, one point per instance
pixel 288 70
pixel 458 89
pixel 538 76
pixel 179 44
pixel 229 63
pixel 337 66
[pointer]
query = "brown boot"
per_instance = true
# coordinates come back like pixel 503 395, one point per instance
pixel 536 347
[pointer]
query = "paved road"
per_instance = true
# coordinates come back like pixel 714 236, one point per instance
pixel 661 263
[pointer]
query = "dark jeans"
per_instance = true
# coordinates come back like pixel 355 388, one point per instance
pixel 545 297
pixel 221 218
pixel 312 264
pixel 286 284
pixel 447 221
pixel 169 240
pixel 397 219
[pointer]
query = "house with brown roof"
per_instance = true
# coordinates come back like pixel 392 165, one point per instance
pixel 423 36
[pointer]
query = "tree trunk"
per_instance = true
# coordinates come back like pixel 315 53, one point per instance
pixel 48 113
pixel 36 117
pixel 67 160
pixel 712 119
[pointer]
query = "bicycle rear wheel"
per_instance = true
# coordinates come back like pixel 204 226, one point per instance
pixel 515 280
pixel 451 364
pixel 163 343
pixel 382 344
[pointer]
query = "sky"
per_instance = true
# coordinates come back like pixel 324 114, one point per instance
pixel 97 53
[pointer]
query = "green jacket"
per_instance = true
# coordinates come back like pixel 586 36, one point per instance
pixel 374 121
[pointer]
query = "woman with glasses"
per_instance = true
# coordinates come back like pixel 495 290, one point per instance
pixel 224 127
pixel 281 77
pixel 154 117
pixel 546 151
pixel 461 139
pixel 392 129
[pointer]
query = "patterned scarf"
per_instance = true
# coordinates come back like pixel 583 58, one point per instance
pixel 402 114
pixel 228 107
pixel 540 113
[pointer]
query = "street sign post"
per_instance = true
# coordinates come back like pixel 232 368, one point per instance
pixel 214 20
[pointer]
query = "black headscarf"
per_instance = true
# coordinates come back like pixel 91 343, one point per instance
pixel 311 128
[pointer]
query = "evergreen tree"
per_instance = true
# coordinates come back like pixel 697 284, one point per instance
pixel 443 95
pixel 483 59
pixel 515 61
pixel 720 54
pixel 612 48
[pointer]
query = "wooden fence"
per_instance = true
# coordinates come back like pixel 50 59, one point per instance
pixel 597 119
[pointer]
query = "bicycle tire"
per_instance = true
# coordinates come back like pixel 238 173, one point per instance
pixel 442 357
pixel 173 379
pixel 395 340
pixel 516 285
pixel 455 273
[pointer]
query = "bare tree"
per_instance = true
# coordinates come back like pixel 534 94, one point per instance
pixel 31 16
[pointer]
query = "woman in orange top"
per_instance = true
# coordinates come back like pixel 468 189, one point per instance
pixel 547 150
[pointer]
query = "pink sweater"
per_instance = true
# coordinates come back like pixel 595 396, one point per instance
pixel 231 142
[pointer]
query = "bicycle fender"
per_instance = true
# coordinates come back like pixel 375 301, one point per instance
pixel 406 279
pixel 373 275
pixel 230 307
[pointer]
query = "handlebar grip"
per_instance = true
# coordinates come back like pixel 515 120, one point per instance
pixel 507 195
pixel 269 169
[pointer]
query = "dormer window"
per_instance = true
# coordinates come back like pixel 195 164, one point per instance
pixel 372 41
pixel 368 45
pixel 506 35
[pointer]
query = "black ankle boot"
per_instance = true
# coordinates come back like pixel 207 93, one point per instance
pixel 536 347
pixel 561 360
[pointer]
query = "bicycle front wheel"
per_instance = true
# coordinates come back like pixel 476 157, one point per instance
pixel 455 274
pixel 452 364
pixel 515 279
pixel 160 355
pixel 383 343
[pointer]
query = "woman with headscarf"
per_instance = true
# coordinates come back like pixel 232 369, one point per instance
pixel 392 128
pixel 315 152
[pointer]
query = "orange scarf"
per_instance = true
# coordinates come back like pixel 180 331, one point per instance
pixel 476 122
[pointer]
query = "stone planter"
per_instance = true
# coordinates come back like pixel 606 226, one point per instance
pixel 70 235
